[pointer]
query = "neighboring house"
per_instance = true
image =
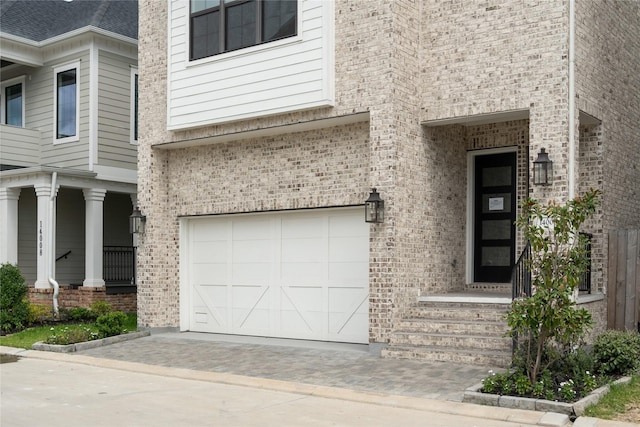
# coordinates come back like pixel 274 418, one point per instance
pixel 265 124
pixel 68 153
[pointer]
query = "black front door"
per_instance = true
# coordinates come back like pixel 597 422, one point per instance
pixel 495 214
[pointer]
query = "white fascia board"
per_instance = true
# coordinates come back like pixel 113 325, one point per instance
pixel 303 126
pixel 28 52
pixel 20 51
pixel 109 173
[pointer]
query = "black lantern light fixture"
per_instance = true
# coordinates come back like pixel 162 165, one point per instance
pixel 137 222
pixel 542 169
pixel 374 208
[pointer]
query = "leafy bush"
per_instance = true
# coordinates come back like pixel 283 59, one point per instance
pixel 14 307
pixel 111 324
pixel 71 335
pixel 548 321
pixel 617 352
pixel 39 314
pixel 567 380
pixel 80 314
pixel 100 307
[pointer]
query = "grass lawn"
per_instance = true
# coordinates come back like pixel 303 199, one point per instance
pixel 28 337
pixel 622 403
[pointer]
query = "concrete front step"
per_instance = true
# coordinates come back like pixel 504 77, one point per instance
pixel 457 311
pixel 458 341
pixel 462 327
pixel 449 326
pixel 440 354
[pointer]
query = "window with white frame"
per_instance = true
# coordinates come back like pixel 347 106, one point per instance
pixel 12 109
pixel 66 102
pixel 134 105
pixel 218 26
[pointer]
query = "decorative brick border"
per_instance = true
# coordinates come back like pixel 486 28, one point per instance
pixel 473 395
pixel 70 348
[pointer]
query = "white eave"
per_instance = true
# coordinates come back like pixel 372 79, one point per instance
pixel 301 126
pixel 29 52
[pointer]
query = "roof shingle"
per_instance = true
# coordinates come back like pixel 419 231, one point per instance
pixel 40 20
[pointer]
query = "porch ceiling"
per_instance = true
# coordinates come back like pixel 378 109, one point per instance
pixel 479 119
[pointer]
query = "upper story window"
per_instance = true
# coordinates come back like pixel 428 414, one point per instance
pixel 218 26
pixel 134 105
pixel 13 102
pixel 66 102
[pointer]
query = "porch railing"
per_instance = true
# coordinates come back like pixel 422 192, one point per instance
pixel 521 275
pixel 119 264
pixel 585 281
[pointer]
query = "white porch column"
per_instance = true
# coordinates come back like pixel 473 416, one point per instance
pixel 9 225
pixel 45 249
pixel 94 201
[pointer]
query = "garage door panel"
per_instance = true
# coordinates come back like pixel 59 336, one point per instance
pixel 208 230
pixel 206 251
pixel 297 275
pixel 209 273
pixel 309 273
pixel 210 305
pixel 303 250
pixel 254 228
pixel 252 251
pixel 250 273
pixel 348 314
pixel 349 273
pixel 300 226
pixel 348 249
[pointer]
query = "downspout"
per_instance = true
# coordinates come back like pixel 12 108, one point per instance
pixel 572 102
pixel 51 237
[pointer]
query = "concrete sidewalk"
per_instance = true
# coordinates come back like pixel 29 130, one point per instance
pixel 335 371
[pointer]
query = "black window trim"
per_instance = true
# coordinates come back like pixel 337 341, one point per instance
pixel 221 8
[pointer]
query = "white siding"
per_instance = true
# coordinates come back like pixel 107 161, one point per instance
pixel 40 114
pixel 286 75
pixel 20 146
pixel 114 104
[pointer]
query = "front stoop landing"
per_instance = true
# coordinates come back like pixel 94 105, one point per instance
pixel 463 329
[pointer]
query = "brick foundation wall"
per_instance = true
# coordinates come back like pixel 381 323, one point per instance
pixel 84 297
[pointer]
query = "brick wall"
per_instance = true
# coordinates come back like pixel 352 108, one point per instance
pixel 84 297
pixel 608 88
pixel 403 62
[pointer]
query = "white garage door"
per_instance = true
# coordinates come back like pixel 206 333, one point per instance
pixel 301 274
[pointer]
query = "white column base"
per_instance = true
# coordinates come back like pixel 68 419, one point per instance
pixel 93 283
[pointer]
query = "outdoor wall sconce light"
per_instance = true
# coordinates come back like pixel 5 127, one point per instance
pixel 374 208
pixel 137 222
pixel 542 169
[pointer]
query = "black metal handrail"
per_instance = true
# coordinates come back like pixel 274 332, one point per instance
pixel 521 275
pixel 64 255
pixel 118 264
pixel 585 280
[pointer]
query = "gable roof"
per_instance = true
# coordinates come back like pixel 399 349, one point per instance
pixel 39 20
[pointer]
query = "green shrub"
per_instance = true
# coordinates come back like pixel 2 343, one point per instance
pixel 14 307
pixel 100 307
pixel 71 335
pixel 617 352
pixel 39 314
pixel 111 324
pixel 80 314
